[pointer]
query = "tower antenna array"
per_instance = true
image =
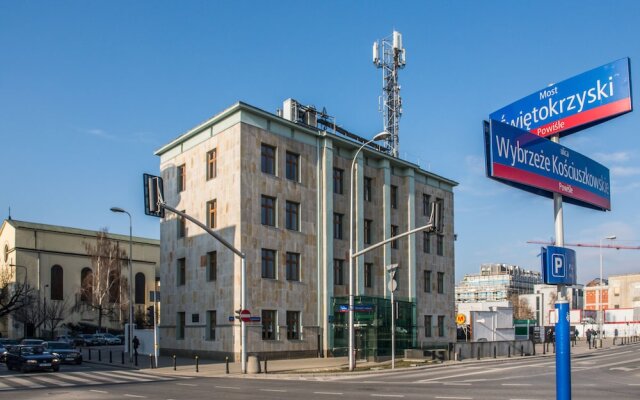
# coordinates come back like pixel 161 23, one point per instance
pixel 389 55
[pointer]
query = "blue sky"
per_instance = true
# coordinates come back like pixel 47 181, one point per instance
pixel 88 91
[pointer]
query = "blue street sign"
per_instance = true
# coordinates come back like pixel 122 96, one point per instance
pixel 558 266
pixel 255 319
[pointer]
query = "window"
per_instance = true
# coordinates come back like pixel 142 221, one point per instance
pixel 440 282
pixel 86 285
pixel 441 325
pixel 180 319
pixel 394 196
pixel 268 159
pixel 292 216
pixel 394 232
pixel 195 318
pixel 426 201
pixel 212 266
pixel 427 326
pixel 212 164
pixel 269 324
pixel 293 167
pixel 212 211
pixel 181 271
pixel 440 244
pixel 268 215
pixel 268 264
pixel 140 288
pixel 182 178
pixel 338 272
pixel 368 275
pixel 337 225
pixel 57 283
pixel 367 231
pixel 426 242
pixel 211 325
pixel 182 226
pixel 114 287
pixel 338 180
pixel 367 189
pixel 293 267
pixel 440 206
pixel 293 325
pixel 427 281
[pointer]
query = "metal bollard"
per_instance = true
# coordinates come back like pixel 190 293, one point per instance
pixel 226 361
pixel 521 350
pixel 110 357
pixel 197 364
pixel 89 354
pixel 265 365
pixel 460 354
pixel 174 362
pixel 509 352
pixel 494 351
pixel 544 349
pixel 135 358
pixel 478 352
pixel 122 355
pixel 534 347
pixel 150 360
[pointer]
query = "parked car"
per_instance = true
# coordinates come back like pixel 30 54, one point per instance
pixel 98 339
pixel 64 351
pixel 86 339
pixel 31 358
pixel 65 338
pixel 120 338
pixel 31 342
pixel 3 353
pixel 107 338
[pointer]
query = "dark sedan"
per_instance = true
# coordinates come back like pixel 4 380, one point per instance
pixel 65 352
pixel 31 358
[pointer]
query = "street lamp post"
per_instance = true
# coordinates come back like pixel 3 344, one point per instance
pixel 122 210
pixel 379 136
pixel 393 269
pixel 600 325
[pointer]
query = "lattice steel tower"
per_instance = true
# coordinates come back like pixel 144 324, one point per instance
pixel 389 55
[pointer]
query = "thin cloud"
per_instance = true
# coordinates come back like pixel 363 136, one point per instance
pixel 620 157
pixel 625 171
pixel 99 133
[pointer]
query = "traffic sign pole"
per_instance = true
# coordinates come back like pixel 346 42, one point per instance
pixel 563 352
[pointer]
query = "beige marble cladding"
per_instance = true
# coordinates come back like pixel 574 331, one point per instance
pixel 237 134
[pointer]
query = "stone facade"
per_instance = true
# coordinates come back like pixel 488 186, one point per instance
pixel 36 248
pixel 237 136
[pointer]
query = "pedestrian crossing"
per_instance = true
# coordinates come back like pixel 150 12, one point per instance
pixel 76 378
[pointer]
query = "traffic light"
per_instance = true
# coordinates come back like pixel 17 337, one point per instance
pixel 153 195
pixel 150 315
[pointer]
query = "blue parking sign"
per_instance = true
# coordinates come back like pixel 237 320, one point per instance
pixel 558 265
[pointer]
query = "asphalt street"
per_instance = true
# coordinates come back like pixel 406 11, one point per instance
pixel 610 373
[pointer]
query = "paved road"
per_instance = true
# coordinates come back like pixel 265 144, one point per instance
pixel 605 374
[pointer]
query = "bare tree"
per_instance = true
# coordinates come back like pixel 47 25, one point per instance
pixel 14 295
pixel 521 308
pixel 54 313
pixel 101 289
pixel 32 313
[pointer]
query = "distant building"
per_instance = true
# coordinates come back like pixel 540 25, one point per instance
pixel 592 298
pixel 496 282
pixel 624 291
pixel 54 260
pixel 276 186
pixel 542 301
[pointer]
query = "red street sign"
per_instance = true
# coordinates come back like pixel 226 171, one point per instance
pixel 245 316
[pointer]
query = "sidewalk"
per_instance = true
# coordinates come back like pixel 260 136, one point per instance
pixel 308 366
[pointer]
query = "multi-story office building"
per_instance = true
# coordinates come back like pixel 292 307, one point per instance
pixel 496 282
pixel 624 291
pixel 596 295
pixel 55 262
pixel 277 188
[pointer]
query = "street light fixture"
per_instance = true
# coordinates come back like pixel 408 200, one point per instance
pixel 122 210
pixel 600 325
pixel 380 136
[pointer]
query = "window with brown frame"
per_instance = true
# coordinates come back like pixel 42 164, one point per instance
pixel 212 164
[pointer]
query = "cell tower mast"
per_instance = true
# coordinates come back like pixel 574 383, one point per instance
pixel 389 55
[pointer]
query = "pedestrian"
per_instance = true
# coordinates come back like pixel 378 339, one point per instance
pixel 136 344
pixel 588 334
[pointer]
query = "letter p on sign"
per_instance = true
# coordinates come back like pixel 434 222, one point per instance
pixel 558 266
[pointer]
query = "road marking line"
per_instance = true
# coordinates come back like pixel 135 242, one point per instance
pixel 516 384
pixel 186 384
pixel 227 387
pixel 387 395
pixel 633 384
pixel 134 395
pixel 273 390
pixel 52 381
pixel 456 384
pixel 329 393
pixel 458 398
pixel 23 382
pixel 98 391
